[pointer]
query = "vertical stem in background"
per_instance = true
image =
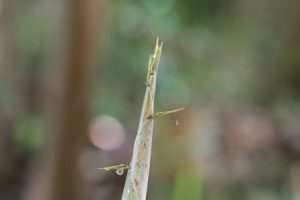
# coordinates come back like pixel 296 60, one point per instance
pixel 137 177
pixel 68 136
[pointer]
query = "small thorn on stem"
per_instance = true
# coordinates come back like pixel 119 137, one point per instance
pixel 149 116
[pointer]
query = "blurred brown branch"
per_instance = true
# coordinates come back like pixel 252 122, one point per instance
pixel 70 135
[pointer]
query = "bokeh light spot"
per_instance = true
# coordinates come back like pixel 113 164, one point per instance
pixel 106 133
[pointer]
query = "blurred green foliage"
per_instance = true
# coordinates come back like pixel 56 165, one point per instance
pixel 29 134
pixel 188 185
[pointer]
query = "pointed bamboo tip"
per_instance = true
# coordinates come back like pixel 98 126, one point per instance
pixel 158 45
pixel 161 45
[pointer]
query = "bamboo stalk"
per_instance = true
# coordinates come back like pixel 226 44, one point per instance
pixel 137 177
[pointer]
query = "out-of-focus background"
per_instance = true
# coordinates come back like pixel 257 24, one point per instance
pixel 72 78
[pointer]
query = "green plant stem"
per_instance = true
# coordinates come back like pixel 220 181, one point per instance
pixel 137 176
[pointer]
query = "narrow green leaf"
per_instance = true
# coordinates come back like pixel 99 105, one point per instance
pixel 115 167
pixel 164 113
